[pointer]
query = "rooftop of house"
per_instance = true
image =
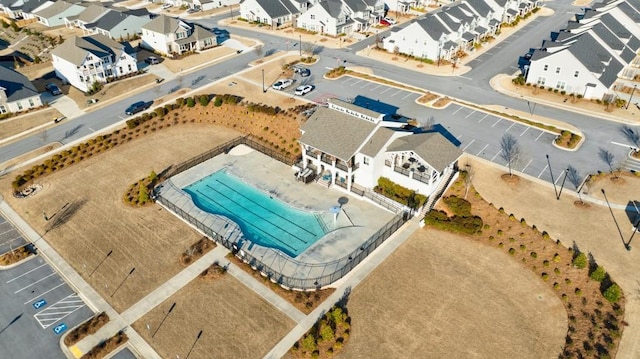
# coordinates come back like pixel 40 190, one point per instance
pixel 16 86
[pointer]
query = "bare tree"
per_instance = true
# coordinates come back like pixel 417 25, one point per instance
pixel 576 181
pixel 468 178
pixel 510 151
pixel 607 157
pixel 632 135
pixel 427 124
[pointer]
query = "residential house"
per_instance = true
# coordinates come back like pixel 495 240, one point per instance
pixel 274 13
pixel 81 61
pixel 327 17
pixel 17 93
pixel 593 57
pixel 352 146
pixel 22 9
pixel 90 15
pixel 167 35
pixel 365 13
pixel 117 25
pixel 205 5
pixel 55 14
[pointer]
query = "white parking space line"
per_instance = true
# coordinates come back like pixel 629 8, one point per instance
pixel 388 88
pixel 499 119
pixel 541 133
pixel 528 163
pixel 25 273
pixel 41 294
pixel 10 230
pixel 558 179
pixel 496 155
pixel 456 111
pixel 465 147
pixel 374 88
pixel 357 82
pixel 12 239
pixel 544 169
pixel 471 113
pixel 34 283
pixel 122 118
pixel 397 93
pixel 483 148
pixel 410 93
pixel 507 130
pixel 59 310
pixel 485 116
pixel 525 130
pixel 459 137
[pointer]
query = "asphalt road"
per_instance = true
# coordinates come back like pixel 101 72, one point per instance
pixel 472 87
pixel 28 325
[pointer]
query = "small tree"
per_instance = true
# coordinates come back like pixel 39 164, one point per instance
pixel 143 194
pixel 574 178
pixel 191 102
pixel 608 158
pixel 510 150
pixel 467 176
pixel 613 293
pixel 580 261
pixel 598 274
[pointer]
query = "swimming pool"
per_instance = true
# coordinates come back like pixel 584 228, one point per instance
pixel 264 220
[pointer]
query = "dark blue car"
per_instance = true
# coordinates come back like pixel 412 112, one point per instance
pixel 137 107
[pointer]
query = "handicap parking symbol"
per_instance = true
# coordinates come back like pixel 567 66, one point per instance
pixel 59 328
pixel 39 304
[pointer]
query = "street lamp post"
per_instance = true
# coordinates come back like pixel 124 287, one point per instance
pixel 163 319
pixel 566 173
pixel 125 278
pixel 194 344
pixel 99 264
pixel 626 245
pixel 263 89
pixel 553 181
pixel 231 11
pixel 631 97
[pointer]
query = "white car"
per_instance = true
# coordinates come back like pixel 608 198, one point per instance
pixel 167 6
pixel 282 84
pixel 391 21
pixel 303 90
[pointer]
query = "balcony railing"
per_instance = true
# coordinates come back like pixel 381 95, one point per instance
pixel 342 166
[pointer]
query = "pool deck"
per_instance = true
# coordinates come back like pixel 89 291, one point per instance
pixel 356 222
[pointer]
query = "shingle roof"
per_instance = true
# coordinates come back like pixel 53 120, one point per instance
pixel 16 85
pixel 433 26
pixel 356 5
pixel 480 6
pixel 629 11
pixel 634 43
pixel 593 56
pixel 432 147
pixel 92 13
pixel 277 8
pixel 356 108
pixel 31 5
pixel 163 24
pixel 76 49
pixel 615 26
pixel 335 133
pixel 608 37
pixel 376 142
pixel 110 20
pixel 55 9
pixel 333 7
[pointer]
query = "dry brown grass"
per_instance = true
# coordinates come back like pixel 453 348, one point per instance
pixel 215 271
pixel 85 329
pixel 235 322
pixel 14 126
pixel 105 348
pixel 109 91
pixel 198 59
pixel 427 97
pixel 442 102
pixel 14 256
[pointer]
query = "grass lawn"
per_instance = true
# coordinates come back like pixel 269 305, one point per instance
pixel 235 322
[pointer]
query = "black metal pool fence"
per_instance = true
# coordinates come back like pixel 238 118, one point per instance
pixel 308 276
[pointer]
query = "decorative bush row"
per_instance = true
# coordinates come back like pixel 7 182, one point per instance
pixel 85 329
pixel 459 206
pixel 400 194
pixel 440 220
pixel 327 337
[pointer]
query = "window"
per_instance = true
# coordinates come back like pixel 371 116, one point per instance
pixel 120 69
pixel 561 85
pixel 557 70
pixel 129 67
pixel 365 160
pixel 3 109
pixel 546 67
pixel 541 81
pixel 19 105
pixel 31 104
pixel 575 74
pixel 313 17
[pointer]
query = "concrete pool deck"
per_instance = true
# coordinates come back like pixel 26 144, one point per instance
pixel 357 221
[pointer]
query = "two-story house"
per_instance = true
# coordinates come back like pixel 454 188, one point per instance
pixel 90 15
pixel 168 36
pixel 365 13
pixel 117 25
pixel 55 14
pixel 81 61
pixel 327 17
pixel 274 13
pixel 17 93
pixel 350 145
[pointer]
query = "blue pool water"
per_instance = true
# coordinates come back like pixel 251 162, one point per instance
pixel 265 221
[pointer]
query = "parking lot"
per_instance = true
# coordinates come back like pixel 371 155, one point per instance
pixel 9 237
pixel 37 308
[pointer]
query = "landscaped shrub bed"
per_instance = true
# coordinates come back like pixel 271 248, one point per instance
pixel 327 337
pixel 400 194
pixel 85 329
pixel 196 250
pixel 213 272
pixel 594 303
pixel 567 139
pixel 103 349
pixel 15 256
pixel 138 194
pixel 273 127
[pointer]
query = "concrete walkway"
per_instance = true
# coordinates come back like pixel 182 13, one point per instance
pixel 345 286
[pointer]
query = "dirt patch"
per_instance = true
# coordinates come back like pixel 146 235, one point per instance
pixel 110 91
pixel 235 322
pixel 214 271
pixel 16 125
pixel 510 179
pixel 191 61
pixel 148 239
pixel 439 290
pixel 618 189
pixel 251 91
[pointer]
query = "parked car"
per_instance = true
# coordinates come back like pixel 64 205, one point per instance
pixel 303 90
pixel 390 20
pixel 282 84
pixel 137 107
pixel 152 60
pixel 385 22
pixel 193 10
pixel 302 71
pixel 53 89
pixel 167 6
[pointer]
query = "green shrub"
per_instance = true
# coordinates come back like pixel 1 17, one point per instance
pixel 204 100
pixel 580 261
pixel 440 220
pixel 399 193
pixel 512 251
pixel 556 258
pixel 459 206
pixel 578 292
pixel 191 102
pixel 217 102
pixel 598 274
pixel 613 293
pixel 534 255
pixel 545 276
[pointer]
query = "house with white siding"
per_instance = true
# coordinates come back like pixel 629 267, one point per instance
pixel 365 13
pixel 329 17
pixel 117 25
pixel 55 14
pixel 170 36
pixel 17 93
pixel 81 61
pixel 90 15
pixel 351 146
pixel 274 13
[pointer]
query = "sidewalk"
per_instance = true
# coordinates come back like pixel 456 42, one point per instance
pixel 83 289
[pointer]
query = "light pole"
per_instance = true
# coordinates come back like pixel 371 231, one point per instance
pixel 99 264
pixel 263 89
pixel 231 11
pixel 614 219
pixel 125 278
pixel 631 97
pixel 566 173
pixel 552 179
pixel 163 319
pixel 194 344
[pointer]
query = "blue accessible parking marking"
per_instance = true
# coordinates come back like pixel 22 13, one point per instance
pixel 60 328
pixel 39 304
